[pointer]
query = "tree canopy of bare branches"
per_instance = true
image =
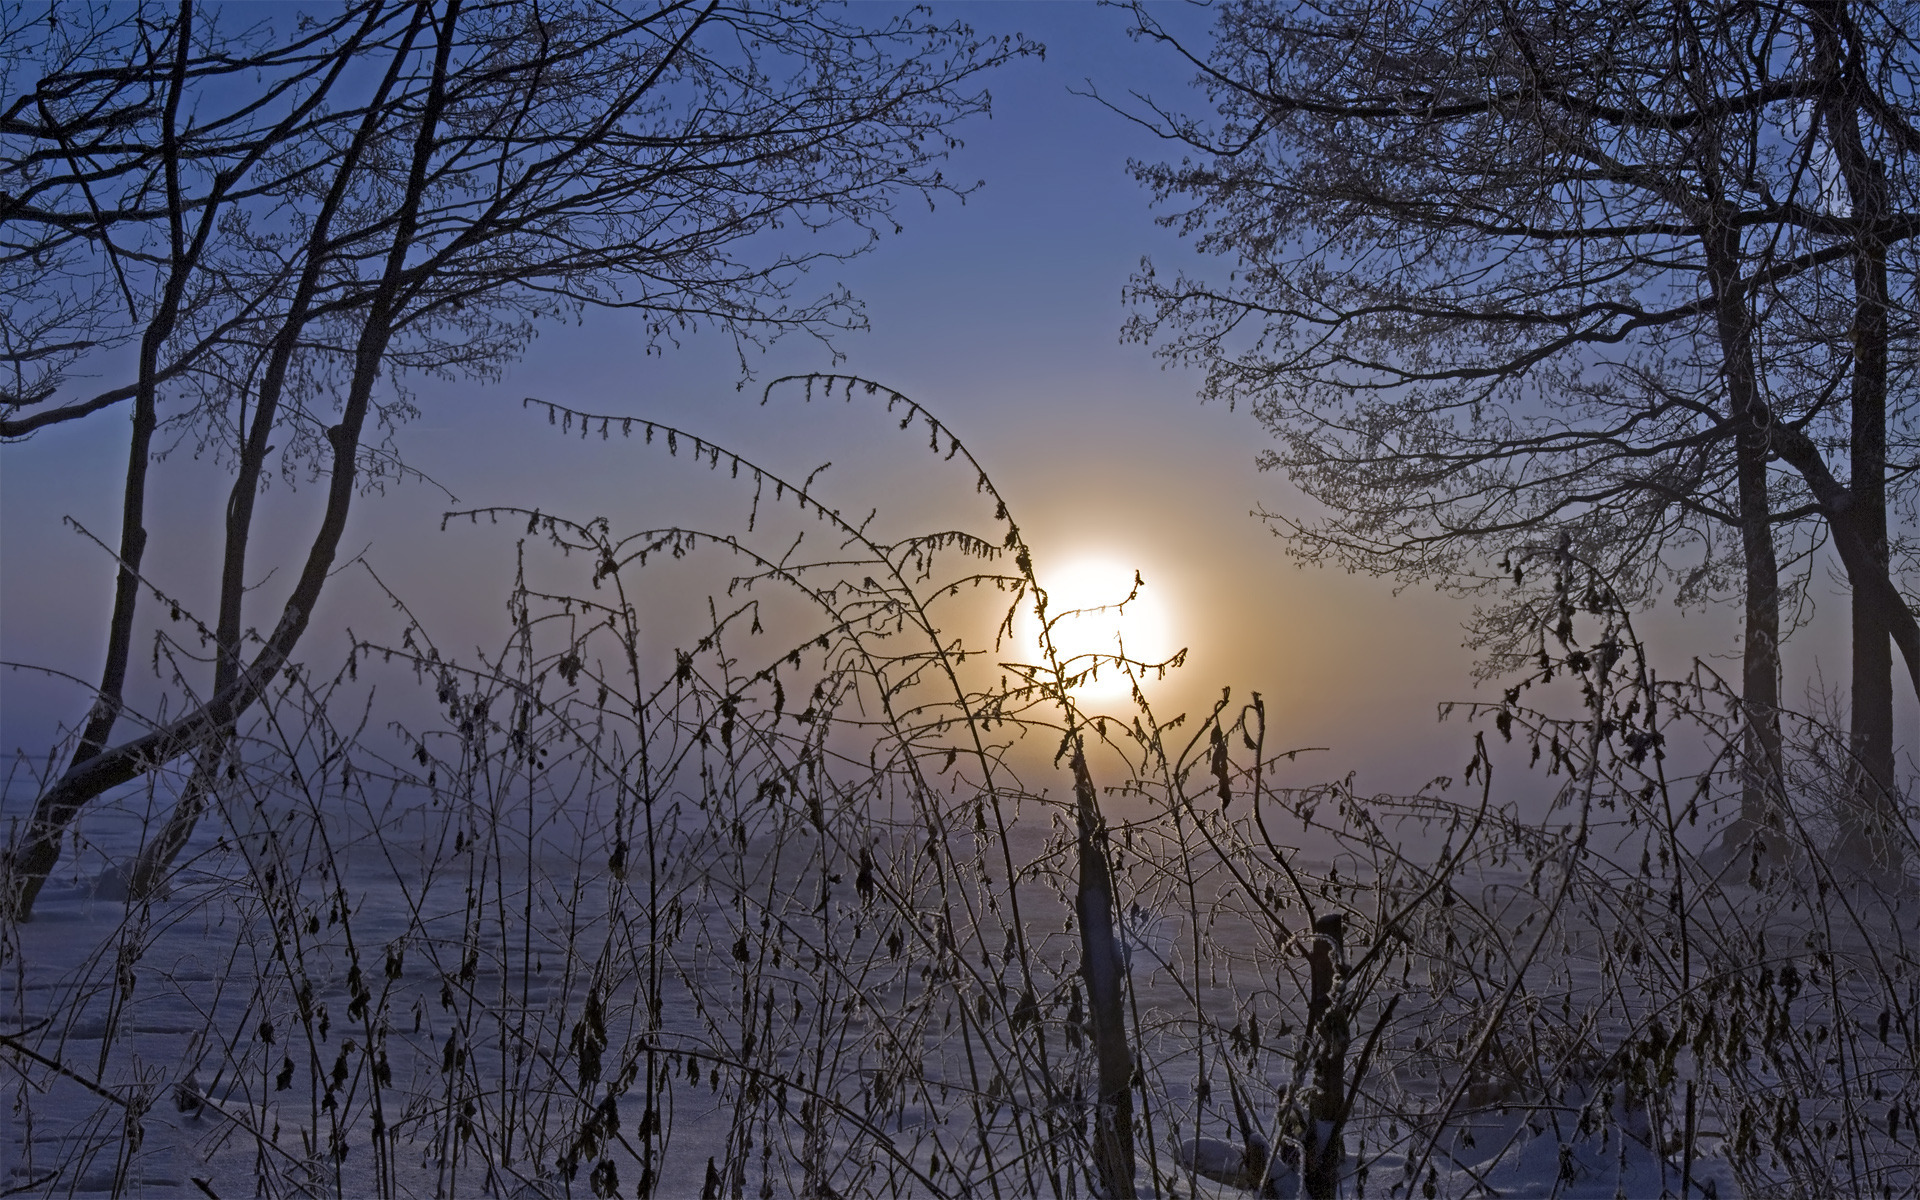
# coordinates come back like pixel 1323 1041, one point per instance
pixel 289 219
pixel 1503 273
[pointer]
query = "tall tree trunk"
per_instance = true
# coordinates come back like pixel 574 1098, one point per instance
pixel 56 809
pixel 1101 964
pixel 1761 798
pixel 34 857
pixel 1329 1034
pixel 214 720
pixel 157 855
pixel 1867 825
pixel 1868 820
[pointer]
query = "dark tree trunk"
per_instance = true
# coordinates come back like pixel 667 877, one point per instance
pixel 53 812
pixel 1329 1034
pixel 1874 803
pixel 1761 800
pixel 157 856
pixel 1105 974
pixel 1867 822
pixel 210 724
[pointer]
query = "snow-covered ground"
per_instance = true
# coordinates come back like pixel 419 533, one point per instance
pixel 435 998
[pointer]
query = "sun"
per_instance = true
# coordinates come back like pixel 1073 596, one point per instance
pixel 1092 617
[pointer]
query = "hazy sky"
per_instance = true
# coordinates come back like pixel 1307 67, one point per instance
pixel 1002 315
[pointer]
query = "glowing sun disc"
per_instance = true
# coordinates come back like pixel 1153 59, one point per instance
pixel 1084 603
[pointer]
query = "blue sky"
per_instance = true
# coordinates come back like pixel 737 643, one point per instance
pixel 1002 314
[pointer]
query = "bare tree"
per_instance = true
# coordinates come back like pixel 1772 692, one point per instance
pixel 311 234
pixel 1861 136
pixel 1502 270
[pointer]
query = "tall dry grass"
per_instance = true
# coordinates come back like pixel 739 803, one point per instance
pixel 806 901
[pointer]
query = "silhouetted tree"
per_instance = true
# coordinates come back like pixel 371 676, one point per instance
pixel 289 218
pixel 1500 270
